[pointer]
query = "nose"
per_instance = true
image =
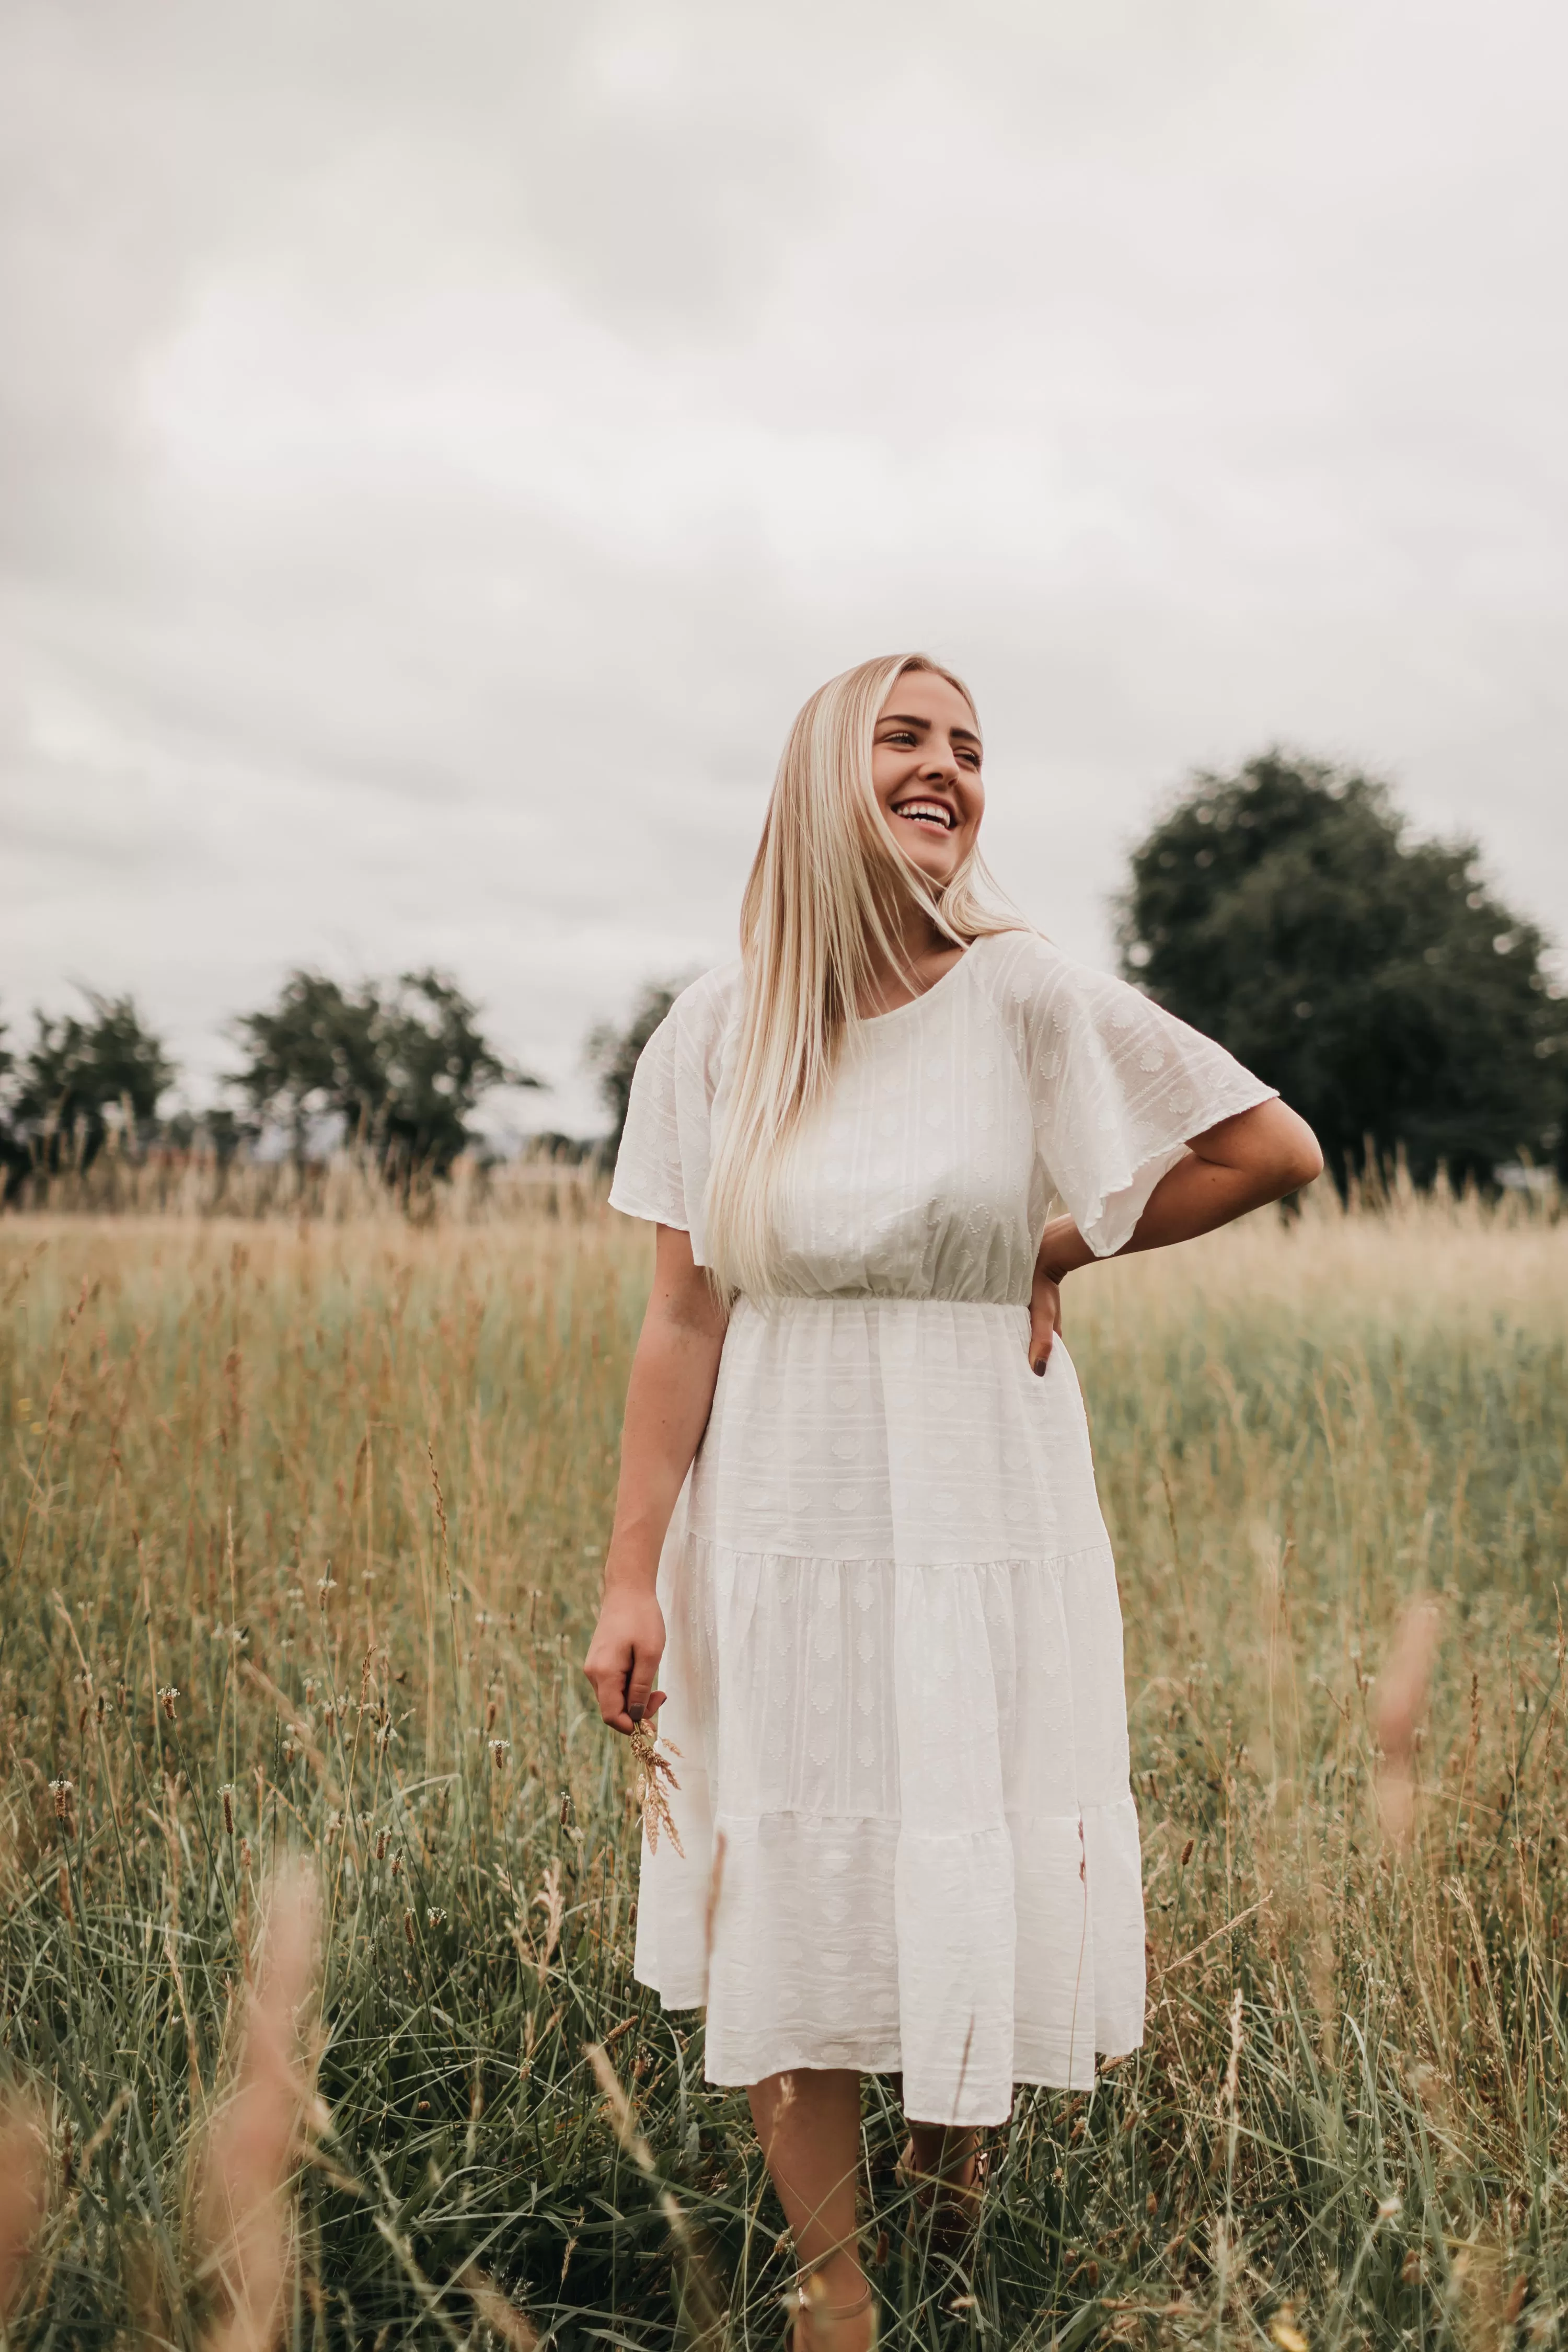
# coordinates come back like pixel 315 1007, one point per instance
pixel 939 764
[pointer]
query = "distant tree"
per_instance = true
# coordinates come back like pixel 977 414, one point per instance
pixel 401 1063
pixel 612 1052
pixel 218 1130
pixel 79 1079
pixel 1373 978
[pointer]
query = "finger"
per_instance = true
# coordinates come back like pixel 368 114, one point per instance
pixel 610 1696
pixel 1041 1337
pixel 610 1692
pixel 639 1684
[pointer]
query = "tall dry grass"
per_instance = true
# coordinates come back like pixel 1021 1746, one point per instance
pixel 302 1525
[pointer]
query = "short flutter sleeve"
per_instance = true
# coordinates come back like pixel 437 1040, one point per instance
pixel 1117 1085
pixel 666 1145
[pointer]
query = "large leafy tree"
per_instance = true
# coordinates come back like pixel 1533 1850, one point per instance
pixel 401 1065
pixel 82 1078
pixel 1375 979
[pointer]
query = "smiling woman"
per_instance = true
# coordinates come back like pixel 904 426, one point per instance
pixel 925 771
pixel 857 1527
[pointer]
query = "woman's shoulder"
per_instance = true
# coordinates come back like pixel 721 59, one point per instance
pixel 692 1034
pixel 709 1002
pixel 1030 980
pixel 1020 965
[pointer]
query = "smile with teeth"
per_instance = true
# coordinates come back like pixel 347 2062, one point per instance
pixel 926 813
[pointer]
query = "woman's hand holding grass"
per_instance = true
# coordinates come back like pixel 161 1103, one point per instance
pixel 623 1658
pixel 667 1401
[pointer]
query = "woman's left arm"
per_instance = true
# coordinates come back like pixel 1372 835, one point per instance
pixel 1241 1164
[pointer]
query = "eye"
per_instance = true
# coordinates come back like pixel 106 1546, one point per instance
pixel 899 735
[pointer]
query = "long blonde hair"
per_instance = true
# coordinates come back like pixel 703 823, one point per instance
pixel 819 918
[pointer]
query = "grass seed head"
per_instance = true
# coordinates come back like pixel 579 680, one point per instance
pixel 654 1770
pixel 243 2215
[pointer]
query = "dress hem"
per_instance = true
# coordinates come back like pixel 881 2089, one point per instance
pixel 1065 2069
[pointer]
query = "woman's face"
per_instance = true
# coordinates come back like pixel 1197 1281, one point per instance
pixel 925 766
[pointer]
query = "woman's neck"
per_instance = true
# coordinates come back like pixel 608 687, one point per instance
pixel 925 953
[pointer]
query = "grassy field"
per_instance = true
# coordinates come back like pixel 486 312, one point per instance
pixel 301 1527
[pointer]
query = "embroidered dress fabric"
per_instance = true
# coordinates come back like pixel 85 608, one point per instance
pixel 894 1642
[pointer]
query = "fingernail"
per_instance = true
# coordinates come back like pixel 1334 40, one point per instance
pixel 636 1713
pixel 1039 1365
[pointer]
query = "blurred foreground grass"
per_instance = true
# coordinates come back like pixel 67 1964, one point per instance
pixel 238 1621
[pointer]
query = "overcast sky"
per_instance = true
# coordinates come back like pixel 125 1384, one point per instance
pixel 442 444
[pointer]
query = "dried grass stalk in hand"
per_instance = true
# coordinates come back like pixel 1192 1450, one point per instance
pixel 653 1756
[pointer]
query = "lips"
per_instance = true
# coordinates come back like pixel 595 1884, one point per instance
pixel 935 813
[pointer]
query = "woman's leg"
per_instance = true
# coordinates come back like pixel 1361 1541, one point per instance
pixel 944 2152
pixel 809 2123
pixel 943 2163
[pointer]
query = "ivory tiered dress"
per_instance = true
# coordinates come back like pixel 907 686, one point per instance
pixel 894 1660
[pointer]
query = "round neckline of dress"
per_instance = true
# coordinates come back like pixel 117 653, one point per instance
pixel 868 1018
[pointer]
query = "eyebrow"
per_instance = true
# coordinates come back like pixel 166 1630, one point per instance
pixel 904 718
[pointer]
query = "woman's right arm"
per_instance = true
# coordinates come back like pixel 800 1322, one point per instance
pixel 667 1401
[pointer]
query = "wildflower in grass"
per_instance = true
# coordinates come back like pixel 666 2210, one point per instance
pixel 325 1584
pixel 166 1697
pixel 500 1750
pixel 63 1792
pixel 225 1795
pixel 433 1917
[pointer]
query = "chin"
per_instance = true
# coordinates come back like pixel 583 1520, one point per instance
pixel 939 870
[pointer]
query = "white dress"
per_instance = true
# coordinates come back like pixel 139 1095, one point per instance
pixel 894 1660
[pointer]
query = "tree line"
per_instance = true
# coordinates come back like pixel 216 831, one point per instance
pixel 1288 909
pixel 394 1069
